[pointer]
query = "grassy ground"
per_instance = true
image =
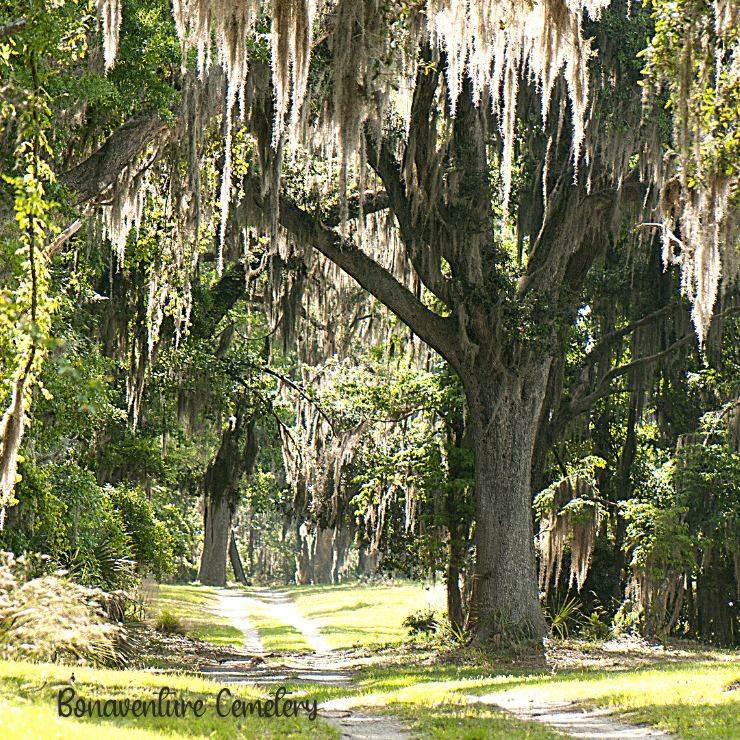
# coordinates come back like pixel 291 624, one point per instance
pixel 355 614
pixel 274 634
pixel 433 708
pixel 350 614
pixel 695 695
pixel 697 700
pixel 194 606
pixel 29 710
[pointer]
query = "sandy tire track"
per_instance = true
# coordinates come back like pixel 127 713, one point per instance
pixel 325 666
pixel 331 667
pixel 577 723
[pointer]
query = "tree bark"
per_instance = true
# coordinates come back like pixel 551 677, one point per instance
pixel 235 456
pixel 504 424
pixel 99 171
pixel 340 541
pixel 216 526
pixel 303 558
pixel 452 578
pixel 236 561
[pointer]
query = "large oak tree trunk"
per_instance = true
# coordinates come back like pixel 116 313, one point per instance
pixel 504 415
pixel 235 456
pixel 216 528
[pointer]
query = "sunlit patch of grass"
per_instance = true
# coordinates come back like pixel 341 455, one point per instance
pixel 689 699
pixel 695 701
pixel 277 636
pixel 432 708
pixel 218 634
pixel 195 607
pixel 357 614
pixel 28 707
pixel 449 722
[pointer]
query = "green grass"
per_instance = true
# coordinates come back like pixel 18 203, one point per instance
pixel 28 707
pixel 354 614
pixel 690 694
pixel 691 700
pixel 433 708
pixel 687 698
pixel 276 636
pixel 195 605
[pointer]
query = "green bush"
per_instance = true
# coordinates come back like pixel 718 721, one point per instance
pixel 151 541
pixel 421 620
pixel 106 537
pixel 169 623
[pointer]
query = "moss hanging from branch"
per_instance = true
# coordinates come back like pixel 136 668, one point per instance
pixel 569 515
pixel 696 53
pixel 110 13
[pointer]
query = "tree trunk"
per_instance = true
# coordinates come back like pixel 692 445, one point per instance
pixel 216 527
pixel 322 555
pixel 452 578
pixel 505 414
pixel 221 494
pixel 303 558
pixel 340 541
pixel 236 561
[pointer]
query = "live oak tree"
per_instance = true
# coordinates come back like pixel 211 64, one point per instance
pixel 446 116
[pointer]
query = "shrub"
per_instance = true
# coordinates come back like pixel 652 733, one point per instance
pixel 169 623
pixel 48 617
pixel 421 620
pixel 564 617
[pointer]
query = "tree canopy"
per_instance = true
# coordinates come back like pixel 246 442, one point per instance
pixel 537 203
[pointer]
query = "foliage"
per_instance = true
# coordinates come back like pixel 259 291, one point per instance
pixel 421 620
pixel 565 617
pixel 138 357
pixel 169 623
pixel 49 617
pixel 101 534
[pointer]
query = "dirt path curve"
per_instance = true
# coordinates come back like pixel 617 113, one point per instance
pixel 357 726
pixel 336 667
pixel 322 665
pixel 232 608
pixel 564 716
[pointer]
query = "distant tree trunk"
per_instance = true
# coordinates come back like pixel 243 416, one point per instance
pixel 235 456
pixel 250 546
pixel 303 558
pixel 452 579
pixel 236 561
pixel 340 540
pixel 623 493
pixel 216 525
pixel 322 555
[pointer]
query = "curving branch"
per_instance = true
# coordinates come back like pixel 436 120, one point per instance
pixel 604 387
pixel 609 339
pixel 372 202
pixel 98 172
pixel 437 331
pixel 15 26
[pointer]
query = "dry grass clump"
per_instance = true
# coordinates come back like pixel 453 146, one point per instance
pixel 47 617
